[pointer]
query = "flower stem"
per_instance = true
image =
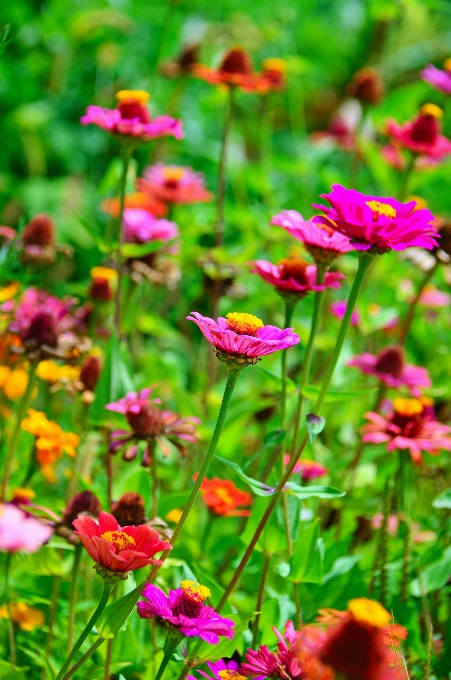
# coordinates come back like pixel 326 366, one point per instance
pixel 228 391
pixel 261 592
pixel 289 309
pixel 73 596
pixel 126 157
pixel 220 204
pixel 107 588
pixel 318 305
pixel 12 637
pixel 16 433
pixel 172 643
pixel 154 473
pixel 84 658
pixel 405 328
pixel 406 177
pixel 109 654
pixel 364 262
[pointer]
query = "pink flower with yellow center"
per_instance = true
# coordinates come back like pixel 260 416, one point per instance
pixel 293 276
pixel 323 244
pixel 423 135
pixel 437 78
pixel 389 367
pixel 185 611
pixel 174 184
pixel 222 670
pixel 119 549
pixel 408 426
pixel 373 222
pixel 243 337
pixel 131 118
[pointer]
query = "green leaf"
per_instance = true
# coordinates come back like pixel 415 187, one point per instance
pixel 312 392
pixel 10 672
pixel 341 566
pixel 115 378
pixel 315 425
pixel 140 249
pixel 45 562
pixel 433 577
pixel 257 487
pixel 303 492
pixel 443 500
pixel 273 438
pixel 272 539
pixel 115 615
pixel 94 234
pixel 307 560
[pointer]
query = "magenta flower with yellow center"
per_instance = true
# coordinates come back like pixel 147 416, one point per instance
pixel 243 337
pixel 294 276
pixel 222 670
pixel 377 223
pixel 174 184
pixel 131 118
pixel 184 610
pixel 423 135
pixel 437 78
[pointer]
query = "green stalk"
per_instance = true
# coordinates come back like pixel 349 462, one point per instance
pixel 261 592
pixel 220 204
pixel 364 262
pixel 405 328
pixel 84 658
pixel 319 299
pixel 73 596
pixel 290 304
pixel 126 154
pixel 154 473
pixel 11 631
pixel 23 405
pixel 107 588
pixel 172 643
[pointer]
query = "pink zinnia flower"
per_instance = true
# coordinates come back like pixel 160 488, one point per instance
pixel 423 135
pixel 309 469
pixel 338 309
pixel 283 663
pixel 131 118
pixel 185 610
pixel 434 299
pixel 437 78
pixel 375 222
pixel 222 670
pixel 41 317
pixel 20 531
pixel 117 548
pixel 174 184
pixel 150 423
pixel 243 335
pixel 408 426
pixel 324 244
pixel 141 227
pixel 294 276
pixel 390 368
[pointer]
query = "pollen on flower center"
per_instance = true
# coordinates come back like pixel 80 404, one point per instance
pixel 369 611
pixel 244 324
pixel 431 110
pixel 447 65
pixel 230 675
pixel 133 97
pixel 294 268
pixel 119 539
pixel 407 407
pixel 194 591
pixel 173 174
pixel 224 495
pixel 380 208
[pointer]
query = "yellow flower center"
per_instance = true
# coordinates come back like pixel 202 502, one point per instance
pixel 407 407
pixel 119 539
pixel 230 675
pixel 244 324
pixel 103 273
pixel 431 110
pixel 133 97
pixel 224 495
pixel 447 65
pixel 194 591
pixel 421 203
pixel 24 493
pixel 380 208
pixel 427 401
pixel 369 611
pixel 275 64
pixel 173 174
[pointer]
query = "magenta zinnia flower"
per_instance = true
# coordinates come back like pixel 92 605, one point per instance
pixel 174 184
pixel 323 243
pixel 390 368
pixel 338 309
pixel 309 469
pixel 375 222
pixel 243 337
pixel 437 78
pixel 408 426
pixel 150 423
pixel 142 227
pixel 283 663
pixel 295 276
pixel 184 610
pixel 119 549
pixel 131 118
pixel 222 670
pixel 422 135
pixel 21 532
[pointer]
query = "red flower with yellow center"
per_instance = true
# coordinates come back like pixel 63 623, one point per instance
pixel 423 135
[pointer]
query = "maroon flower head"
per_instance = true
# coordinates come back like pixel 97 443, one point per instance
pixel 90 372
pixel 366 86
pixel 39 231
pixel 100 290
pixel 82 503
pixel 236 61
pixel 129 509
pixel 391 360
pixel 43 330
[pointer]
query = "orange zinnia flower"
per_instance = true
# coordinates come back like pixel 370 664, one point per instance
pixel 235 70
pixel 111 206
pixel 222 497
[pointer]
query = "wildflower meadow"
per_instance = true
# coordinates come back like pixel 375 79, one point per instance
pixel 225 291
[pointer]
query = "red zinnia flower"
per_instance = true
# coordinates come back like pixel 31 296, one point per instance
pixel 235 70
pixel 423 135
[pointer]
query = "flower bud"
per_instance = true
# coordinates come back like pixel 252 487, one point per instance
pixel 84 502
pixel 129 509
pixel 366 86
pixel 236 61
pixel 90 372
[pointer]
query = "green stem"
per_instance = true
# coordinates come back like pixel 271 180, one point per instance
pixel 220 205
pixel 318 305
pixel 11 631
pixel 16 433
pixel 127 152
pixel 109 654
pixel 84 658
pixel 364 262
pixel 228 391
pixel 73 596
pixel 290 304
pixel 406 177
pixel 154 472
pixel 171 645
pixel 261 592
pixel 405 328
pixel 107 588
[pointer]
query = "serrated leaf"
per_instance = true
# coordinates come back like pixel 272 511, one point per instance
pixel 308 557
pixel 303 492
pixel 443 500
pixel 257 487
pixel 312 392
pixel 315 425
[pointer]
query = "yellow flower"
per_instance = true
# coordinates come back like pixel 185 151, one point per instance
pixel 369 611
pixel 9 291
pixel 28 618
pixel 51 372
pixel 4 373
pixel 51 441
pixel 16 383
pixel 174 515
